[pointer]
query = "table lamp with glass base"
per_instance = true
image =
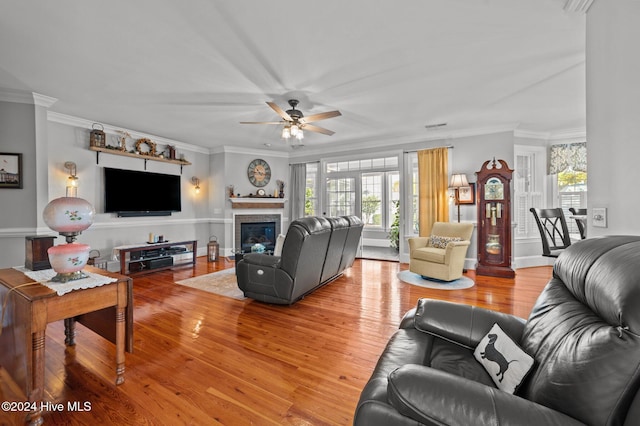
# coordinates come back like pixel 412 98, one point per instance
pixel 68 216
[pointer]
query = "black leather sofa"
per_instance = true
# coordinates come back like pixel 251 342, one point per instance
pixel 583 334
pixel 316 250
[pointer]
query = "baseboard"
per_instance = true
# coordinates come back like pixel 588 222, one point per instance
pixel 532 261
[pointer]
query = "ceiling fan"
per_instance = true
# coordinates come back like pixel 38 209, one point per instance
pixel 295 122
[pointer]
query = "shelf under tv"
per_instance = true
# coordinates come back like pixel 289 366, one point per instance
pixel 144 258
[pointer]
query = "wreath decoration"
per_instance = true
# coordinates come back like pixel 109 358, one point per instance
pixel 149 143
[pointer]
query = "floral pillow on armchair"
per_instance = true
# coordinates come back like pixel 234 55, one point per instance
pixel 441 242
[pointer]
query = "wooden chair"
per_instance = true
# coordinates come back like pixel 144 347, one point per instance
pixel 580 222
pixel 553 230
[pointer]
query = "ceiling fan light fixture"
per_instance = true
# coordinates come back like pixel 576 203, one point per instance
pixel 293 121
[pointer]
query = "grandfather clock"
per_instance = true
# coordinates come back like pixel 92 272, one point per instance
pixel 494 219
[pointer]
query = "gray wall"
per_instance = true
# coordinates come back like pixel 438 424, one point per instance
pixel 70 143
pixel 613 67
pixel 230 168
pixel 46 145
pixel 18 215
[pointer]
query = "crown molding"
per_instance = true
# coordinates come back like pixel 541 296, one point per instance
pixel 69 120
pixel 569 135
pixel 530 134
pixel 564 135
pixel 43 100
pixel 240 150
pixel 16 96
pixel 24 97
pixel 576 6
pixel 384 141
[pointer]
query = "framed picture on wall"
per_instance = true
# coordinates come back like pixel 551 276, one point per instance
pixel 10 170
pixel 467 194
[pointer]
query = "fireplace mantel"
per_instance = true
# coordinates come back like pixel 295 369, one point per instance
pixel 257 203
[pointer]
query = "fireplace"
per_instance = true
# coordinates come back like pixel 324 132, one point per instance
pixel 256 229
pixel 257 233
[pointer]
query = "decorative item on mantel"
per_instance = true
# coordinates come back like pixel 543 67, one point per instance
pixel 97 137
pixel 68 216
pixel 122 139
pixel 230 191
pixel 280 184
pixel 151 147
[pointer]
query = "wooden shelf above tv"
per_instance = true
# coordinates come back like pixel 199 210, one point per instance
pixel 144 157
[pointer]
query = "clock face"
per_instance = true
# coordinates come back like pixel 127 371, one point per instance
pixel 259 172
pixel 494 189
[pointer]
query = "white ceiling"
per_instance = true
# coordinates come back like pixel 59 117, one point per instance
pixel 191 71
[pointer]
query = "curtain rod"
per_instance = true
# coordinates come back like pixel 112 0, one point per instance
pixel 416 150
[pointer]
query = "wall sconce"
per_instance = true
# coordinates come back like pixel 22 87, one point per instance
pixel 72 181
pixel 458 180
pixel 196 182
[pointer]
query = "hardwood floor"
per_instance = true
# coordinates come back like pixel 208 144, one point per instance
pixel 203 359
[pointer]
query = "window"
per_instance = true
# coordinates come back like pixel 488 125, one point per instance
pixel 371 198
pixel 364 164
pixel 341 196
pixel 364 187
pixel 411 213
pixel 572 192
pixel 568 164
pixel 532 188
pixel 311 190
pixel 528 184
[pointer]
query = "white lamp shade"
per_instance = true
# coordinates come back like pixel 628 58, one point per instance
pixel 459 180
pixel 68 214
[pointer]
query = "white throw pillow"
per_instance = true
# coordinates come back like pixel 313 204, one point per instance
pixel 277 250
pixel 504 360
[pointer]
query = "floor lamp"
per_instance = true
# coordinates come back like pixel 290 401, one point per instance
pixel 458 180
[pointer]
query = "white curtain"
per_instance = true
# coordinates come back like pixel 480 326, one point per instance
pixel 298 179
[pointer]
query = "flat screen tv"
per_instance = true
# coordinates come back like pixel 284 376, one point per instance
pixel 135 193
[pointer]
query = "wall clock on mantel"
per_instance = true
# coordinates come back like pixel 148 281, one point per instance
pixel 259 172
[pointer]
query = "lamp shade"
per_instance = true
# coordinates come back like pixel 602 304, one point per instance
pixel 68 214
pixel 459 180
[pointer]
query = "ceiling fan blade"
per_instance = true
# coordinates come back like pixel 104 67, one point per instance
pixel 320 116
pixel 261 122
pixel 317 129
pixel 280 111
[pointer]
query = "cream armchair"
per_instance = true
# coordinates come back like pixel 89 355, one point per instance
pixel 437 256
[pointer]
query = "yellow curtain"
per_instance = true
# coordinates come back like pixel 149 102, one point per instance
pixel 433 190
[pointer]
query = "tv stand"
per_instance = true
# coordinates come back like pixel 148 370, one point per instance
pixel 144 258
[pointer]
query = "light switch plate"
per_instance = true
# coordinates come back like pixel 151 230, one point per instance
pixel 599 217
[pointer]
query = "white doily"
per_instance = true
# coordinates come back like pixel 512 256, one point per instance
pixel 44 277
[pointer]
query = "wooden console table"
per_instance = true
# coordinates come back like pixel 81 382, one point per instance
pixel 30 308
pixel 146 263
